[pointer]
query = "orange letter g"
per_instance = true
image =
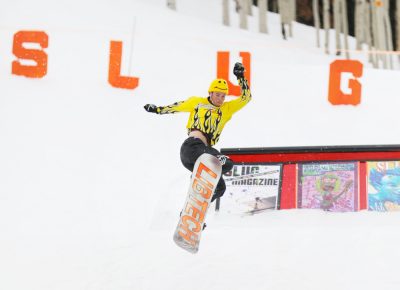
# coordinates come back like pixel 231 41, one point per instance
pixel 336 95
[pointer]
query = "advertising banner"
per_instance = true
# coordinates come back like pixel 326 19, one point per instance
pixel 383 186
pixel 328 186
pixel 251 188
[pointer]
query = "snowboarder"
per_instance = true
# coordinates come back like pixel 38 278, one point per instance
pixel 207 119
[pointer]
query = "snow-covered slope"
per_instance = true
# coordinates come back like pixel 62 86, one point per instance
pixel 91 185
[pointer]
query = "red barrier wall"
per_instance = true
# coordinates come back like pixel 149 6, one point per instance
pixel 290 157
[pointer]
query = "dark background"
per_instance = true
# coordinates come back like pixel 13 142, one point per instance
pixel 304 14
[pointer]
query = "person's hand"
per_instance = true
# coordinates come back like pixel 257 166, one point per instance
pixel 151 108
pixel 238 70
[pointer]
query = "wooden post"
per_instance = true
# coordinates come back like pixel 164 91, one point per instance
pixel 250 7
pixel 359 23
pixel 243 14
pixel 225 12
pixel 262 12
pixel 345 28
pixel 340 20
pixel 382 33
pixel 287 11
pixel 171 4
pixel 316 20
pixel 327 24
pixel 398 25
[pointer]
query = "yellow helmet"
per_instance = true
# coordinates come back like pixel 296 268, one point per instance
pixel 219 85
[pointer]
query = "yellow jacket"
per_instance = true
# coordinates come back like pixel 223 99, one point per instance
pixel 206 117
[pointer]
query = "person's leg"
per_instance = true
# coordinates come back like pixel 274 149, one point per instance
pixel 191 149
pixel 226 162
pixel 227 165
pixel 219 190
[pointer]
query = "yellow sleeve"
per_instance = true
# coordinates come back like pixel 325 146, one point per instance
pixel 183 106
pixel 243 100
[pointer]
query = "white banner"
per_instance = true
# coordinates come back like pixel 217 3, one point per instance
pixel 251 188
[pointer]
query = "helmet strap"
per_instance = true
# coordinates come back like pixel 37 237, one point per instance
pixel 209 99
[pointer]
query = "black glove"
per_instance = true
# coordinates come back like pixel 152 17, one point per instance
pixel 238 70
pixel 151 108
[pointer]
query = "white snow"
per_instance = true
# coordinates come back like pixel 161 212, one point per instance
pixel 91 185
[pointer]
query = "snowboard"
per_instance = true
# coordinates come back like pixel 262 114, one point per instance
pixel 204 180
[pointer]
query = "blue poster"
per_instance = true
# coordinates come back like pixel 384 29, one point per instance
pixel 384 186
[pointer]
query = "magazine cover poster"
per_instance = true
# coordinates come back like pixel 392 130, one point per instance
pixel 251 188
pixel 328 186
pixel 383 186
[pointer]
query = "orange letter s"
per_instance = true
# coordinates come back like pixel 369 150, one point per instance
pixel 37 55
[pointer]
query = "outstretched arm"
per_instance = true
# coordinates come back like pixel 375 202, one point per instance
pixel 245 97
pixel 183 106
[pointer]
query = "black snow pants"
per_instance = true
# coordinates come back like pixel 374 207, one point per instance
pixel 192 148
